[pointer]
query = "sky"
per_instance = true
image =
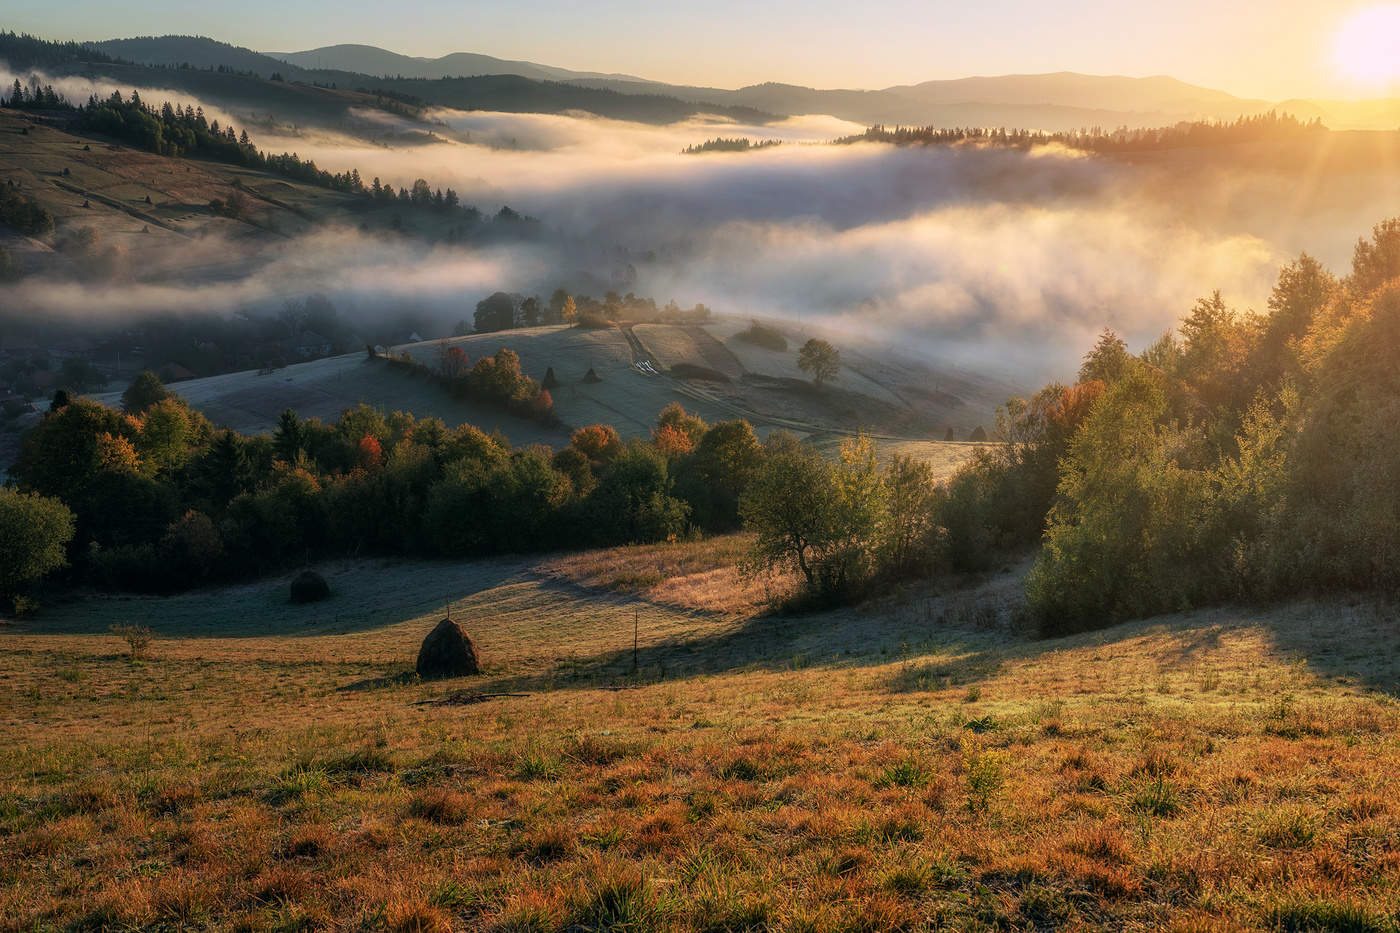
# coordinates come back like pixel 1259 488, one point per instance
pixel 1272 49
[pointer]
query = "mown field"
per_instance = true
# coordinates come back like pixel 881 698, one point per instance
pixel 913 763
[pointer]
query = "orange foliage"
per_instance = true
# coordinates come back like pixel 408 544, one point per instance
pixel 371 453
pixel 597 442
pixel 1075 403
pixel 672 441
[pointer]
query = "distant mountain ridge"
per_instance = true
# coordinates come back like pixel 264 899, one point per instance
pixel 372 60
pixel 1055 102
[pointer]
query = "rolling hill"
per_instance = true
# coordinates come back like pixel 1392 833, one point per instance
pixel 371 60
pixel 640 369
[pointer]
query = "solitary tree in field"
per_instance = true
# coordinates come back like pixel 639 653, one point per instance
pixel 820 359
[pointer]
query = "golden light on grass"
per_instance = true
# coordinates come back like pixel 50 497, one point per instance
pixel 1367 47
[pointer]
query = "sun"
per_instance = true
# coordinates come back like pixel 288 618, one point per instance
pixel 1367 47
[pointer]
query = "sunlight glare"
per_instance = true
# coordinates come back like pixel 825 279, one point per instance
pixel 1367 47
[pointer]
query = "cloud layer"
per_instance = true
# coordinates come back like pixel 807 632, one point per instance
pixel 988 258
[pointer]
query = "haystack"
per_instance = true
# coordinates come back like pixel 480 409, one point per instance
pixel 550 380
pixel 310 587
pixel 591 376
pixel 447 652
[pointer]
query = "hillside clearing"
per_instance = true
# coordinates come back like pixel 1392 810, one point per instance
pixel 911 765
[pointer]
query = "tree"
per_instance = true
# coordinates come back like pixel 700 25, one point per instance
pixel 145 390
pixel 713 478
pixel 34 536
pixel 1131 530
pixel 632 502
pixel 1377 261
pixel 815 516
pixel 170 432
pixel 495 313
pixel 598 442
pixel 908 530
pixel 224 468
pixel 554 312
pixel 62 454
pixel 1108 361
pixel 674 416
pixel 820 359
pixel 289 440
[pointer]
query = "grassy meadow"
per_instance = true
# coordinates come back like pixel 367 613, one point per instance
pixel 915 763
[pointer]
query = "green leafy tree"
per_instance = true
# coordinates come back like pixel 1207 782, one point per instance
pixel 70 446
pixel 496 312
pixel 34 536
pixel 145 390
pixel 819 359
pixel 1133 530
pixel 1108 361
pixel 813 515
pixel 908 532
pixel 713 478
pixel 633 500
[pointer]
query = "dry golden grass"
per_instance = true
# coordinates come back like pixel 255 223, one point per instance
pixel 911 765
pixel 701 575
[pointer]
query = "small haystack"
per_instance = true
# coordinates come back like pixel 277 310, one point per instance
pixel 447 652
pixel 550 380
pixel 310 587
pixel 591 376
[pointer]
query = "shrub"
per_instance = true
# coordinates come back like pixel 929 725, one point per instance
pixel 768 338
pixel 592 320
pixel 137 637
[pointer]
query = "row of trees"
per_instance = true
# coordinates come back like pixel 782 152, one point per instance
pixel 159 499
pixel 1267 127
pixel 505 311
pixel 725 144
pixel 176 130
pixel 497 380
pixel 1243 456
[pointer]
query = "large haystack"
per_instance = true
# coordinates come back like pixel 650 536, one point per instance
pixel 447 652
pixel 310 587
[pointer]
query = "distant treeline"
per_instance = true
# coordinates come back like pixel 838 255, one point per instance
pixel 1264 127
pixel 721 144
pixel 175 130
pixel 21 50
pixel 504 311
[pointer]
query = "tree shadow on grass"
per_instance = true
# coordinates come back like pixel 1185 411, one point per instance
pixel 1356 642
pixel 366 595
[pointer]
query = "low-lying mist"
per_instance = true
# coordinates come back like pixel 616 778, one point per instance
pixel 990 258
